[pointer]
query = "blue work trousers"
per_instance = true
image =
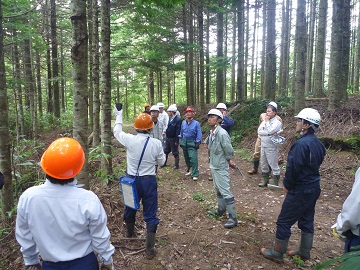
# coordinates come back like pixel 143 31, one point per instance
pixel 89 262
pixel 352 241
pixel 298 206
pixel 146 188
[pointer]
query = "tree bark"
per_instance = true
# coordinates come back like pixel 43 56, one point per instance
pixel 79 58
pixel 95 74
pixel 220 53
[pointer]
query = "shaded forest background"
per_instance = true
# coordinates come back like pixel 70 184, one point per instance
pixel 65 64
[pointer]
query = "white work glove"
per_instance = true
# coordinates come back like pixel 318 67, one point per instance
pixel 116 109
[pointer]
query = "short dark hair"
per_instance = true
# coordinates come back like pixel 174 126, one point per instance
pixel 59 181
pixel 311 129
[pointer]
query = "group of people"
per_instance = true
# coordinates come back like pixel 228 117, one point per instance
pixel 67 225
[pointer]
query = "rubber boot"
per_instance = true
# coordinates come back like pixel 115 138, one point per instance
pixel 276 180
pixel 150 245
pixel 265 180
pixel 176 165
pixel 256 167
pixel 277 252
pixel 232 221
pixel 130 229
pixel 306 242
pixel 221 210
pixel 165 161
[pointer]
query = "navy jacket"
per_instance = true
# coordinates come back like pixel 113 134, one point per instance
pixel 227 123
pixel 303 163
pixel 173 128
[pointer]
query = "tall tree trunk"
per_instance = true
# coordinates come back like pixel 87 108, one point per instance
pixel 151 85
pixel 300 55
pixel 191 58
pixel 186 53
pixel 91 24
pixel 38 82
pixel 233 58
pixel 207 59
pixel 201 57
pixel 220 53
pixel 240 54
pixel 310 48
pixel 5 142
pixel 320 50
pixel 263 52
pixel 246 54
pixel 285 46
pixel 339 54
pixel 357 58
pixel 95 74
pixel 79 58
pixel 30 85
pixel 253 77
pixel 62 81
pixel 270 70
pixel 54 55
pixel 106 160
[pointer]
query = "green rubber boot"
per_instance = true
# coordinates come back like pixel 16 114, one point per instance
pixel 265 180
pixel 232 221
pixel 277 252
pixel 276 180
pixel 221 210
pixel 306 242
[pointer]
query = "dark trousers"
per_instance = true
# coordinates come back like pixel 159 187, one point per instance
pixel 351 242
pixel 298 206
pixel 89 262
pixel 170 147
pixel 147 193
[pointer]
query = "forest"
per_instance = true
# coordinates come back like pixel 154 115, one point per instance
pixel 64 64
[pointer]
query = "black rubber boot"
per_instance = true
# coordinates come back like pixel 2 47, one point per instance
pixel 306 242
pixel 176 165
pixel 255 168
pixel 130 229
pixel 150 245
pixel 265 180
pixel 277 252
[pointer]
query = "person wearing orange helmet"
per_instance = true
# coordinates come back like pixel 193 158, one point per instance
pixel 146 185
pixel 190 139
pixel 63 223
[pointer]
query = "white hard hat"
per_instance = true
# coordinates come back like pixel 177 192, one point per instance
pixel 172 108
pixel 216 112
pixel 160 105
pixel 221 106
pixel 154 108
pixel 272 103
pixel 309 114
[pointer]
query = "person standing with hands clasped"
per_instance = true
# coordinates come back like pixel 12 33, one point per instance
pixel 302 188
pixel 347 226
pixel 220 153
pixel 64 223
pixel 269 151
pixel 190 140
pixel 146 185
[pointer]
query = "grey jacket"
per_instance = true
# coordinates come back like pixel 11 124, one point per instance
pixel 220 149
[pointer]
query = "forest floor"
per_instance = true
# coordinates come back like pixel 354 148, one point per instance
pixel 188 238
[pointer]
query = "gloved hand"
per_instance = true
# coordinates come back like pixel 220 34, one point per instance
pixel 336 234
pixel 107 266
pixel 197 145
pixel 33 267
pixel 116 110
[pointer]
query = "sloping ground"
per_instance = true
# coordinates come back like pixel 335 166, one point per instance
pixel 189 239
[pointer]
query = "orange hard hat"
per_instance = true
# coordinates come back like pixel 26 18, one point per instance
pixel 143 122
pixel 63 159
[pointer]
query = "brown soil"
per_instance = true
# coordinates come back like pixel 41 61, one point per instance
pixel 189 239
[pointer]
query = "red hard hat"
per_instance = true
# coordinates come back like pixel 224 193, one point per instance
pixel 189 109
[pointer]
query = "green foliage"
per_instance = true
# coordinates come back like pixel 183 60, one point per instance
pixel 347 261
pixel 4 231
pixel 197 196
pixel 298 261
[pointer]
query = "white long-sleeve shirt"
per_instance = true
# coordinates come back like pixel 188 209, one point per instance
pixel 267 129
pixel 349 218
pixel 134 144
pixel 164 118
pixel 63 223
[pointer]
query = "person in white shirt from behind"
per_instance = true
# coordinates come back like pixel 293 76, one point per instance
pixel 63 223
pixel 146 184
